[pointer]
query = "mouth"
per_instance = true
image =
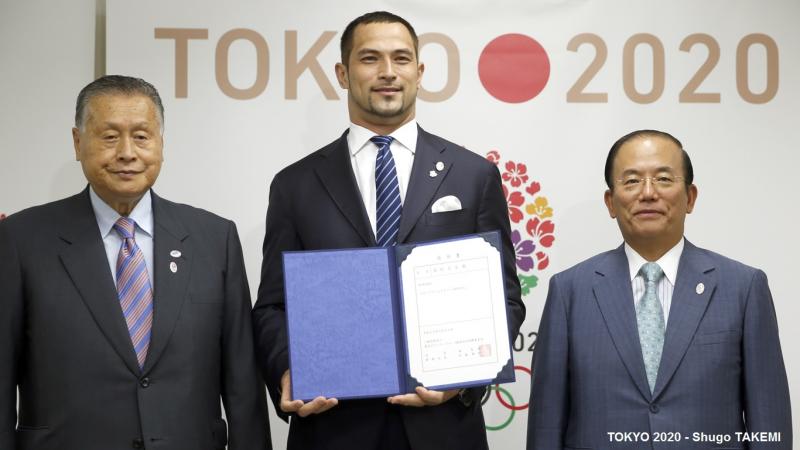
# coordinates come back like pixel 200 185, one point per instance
pixel 648 213
pixel 125 174
pixel 387 90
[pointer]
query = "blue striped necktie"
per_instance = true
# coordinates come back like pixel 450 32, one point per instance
pixel 387 194
pixel 650 319
pixel 134 289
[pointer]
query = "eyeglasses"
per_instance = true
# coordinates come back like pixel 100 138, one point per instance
pixel 660 182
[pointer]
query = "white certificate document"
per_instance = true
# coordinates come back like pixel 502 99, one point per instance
pixel 455 312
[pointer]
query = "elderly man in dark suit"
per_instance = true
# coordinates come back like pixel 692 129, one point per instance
pixel 124 317
pixel 657 344
pixel 384 181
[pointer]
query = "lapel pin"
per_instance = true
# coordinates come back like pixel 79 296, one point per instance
pixel 433 173
pixel 700 288
pixel 440 166
pixel 173 267
pixel 175 253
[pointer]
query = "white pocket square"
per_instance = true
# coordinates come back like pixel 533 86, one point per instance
pixel 447 203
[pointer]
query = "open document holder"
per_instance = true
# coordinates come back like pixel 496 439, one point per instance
pixel 380 321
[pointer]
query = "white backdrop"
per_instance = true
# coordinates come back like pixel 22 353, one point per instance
pixel 221 152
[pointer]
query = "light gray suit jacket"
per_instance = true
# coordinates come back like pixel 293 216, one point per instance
pixel 721 370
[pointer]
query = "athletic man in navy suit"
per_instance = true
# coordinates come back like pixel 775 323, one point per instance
pixel 328 200
pixel 673 344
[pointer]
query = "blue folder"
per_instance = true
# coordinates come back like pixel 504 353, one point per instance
pixel 345 323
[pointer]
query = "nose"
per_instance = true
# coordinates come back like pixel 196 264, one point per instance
pixel 648 188
pixel 125 149
pixel 387 71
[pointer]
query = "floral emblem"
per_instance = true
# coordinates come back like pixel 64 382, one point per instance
pixel 532 228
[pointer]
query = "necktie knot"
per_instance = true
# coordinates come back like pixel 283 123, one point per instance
pixel 383 142
pixel 651 272
pixel 124 226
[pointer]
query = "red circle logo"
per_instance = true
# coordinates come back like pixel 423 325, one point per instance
pixel 514 68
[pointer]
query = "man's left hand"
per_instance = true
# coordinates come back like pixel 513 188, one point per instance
pixel 423 397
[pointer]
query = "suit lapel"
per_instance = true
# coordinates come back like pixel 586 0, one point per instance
pixel 336 174
pixel 86 263
pixel 169 286
pixel 421 186
pixel 687 309
pixel 614 295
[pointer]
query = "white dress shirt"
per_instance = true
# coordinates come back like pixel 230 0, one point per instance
pixel 668 263
pixel 142 214
pixel 363 154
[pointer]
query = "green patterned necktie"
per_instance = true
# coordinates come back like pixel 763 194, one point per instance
pixel 650 318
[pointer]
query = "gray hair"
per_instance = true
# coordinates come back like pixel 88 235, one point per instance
pixel 116 84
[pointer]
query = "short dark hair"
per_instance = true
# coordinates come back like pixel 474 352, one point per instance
pixel 346 44
pixel 688 171
pixel 116 84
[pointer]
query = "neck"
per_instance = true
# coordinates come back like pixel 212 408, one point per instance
pixel 380 127
pixel 123 207
pixel 652 250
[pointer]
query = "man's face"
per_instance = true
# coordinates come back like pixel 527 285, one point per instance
pixel 650 215
pixel 382 75
pixel 120 148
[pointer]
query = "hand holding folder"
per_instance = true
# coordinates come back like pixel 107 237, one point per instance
pixel 303 409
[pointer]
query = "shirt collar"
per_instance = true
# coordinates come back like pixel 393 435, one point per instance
pixel 668 262
pixel 406 135
pixel 106 216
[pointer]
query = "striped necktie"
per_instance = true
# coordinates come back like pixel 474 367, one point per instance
pixel 134 289
pixel 387 194
pixel 650 319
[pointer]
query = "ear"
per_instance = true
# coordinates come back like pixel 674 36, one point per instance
pixel 341 75
pixel 76 142
pixel 608 199
pixel 691 195
pixel 420 71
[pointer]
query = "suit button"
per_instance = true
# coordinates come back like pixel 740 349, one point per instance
pixel 653 408
pixel 138 443
pixel 144 382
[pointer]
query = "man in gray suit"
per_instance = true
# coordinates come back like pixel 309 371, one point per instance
pixel 124 317
pixel 657 344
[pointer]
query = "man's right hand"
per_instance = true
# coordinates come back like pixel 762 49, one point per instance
pixel 316 406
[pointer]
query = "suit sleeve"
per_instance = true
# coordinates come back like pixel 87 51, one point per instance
pixel 493 215
pixel 11 319
pixel 269 313
pixel 549 401
pixel 242 390
pixel 766 390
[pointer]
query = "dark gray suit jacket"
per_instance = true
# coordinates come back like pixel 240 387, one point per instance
pixel 315 204
pixel 721 369
pixel 65 344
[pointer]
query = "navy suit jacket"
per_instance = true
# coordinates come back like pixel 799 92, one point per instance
pixel 721 369
pixel 65 345
pixel 315 204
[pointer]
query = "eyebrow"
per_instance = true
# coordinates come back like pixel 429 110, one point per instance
pixel 658 169
pixel 365 51
pixel 135 126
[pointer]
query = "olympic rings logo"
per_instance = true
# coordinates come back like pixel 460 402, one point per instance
pixel 507 402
